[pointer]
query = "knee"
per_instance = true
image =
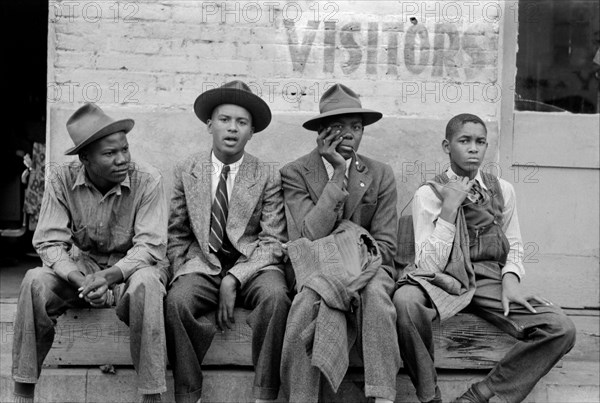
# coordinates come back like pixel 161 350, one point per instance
pixel 176 304
pixel 278 300
pixel 408 304
pixel 564 329
pixel 32 277
pixel 37 281
pixel 145 279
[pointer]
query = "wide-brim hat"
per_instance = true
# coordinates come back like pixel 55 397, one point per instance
pixel 341 100
pixel 89 123
pixel 236 93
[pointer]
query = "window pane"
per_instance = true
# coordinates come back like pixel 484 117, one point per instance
pixel 558 61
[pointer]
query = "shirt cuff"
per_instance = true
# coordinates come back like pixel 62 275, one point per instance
pixel 63 268
pixel 126 269
pixel 444 231
pixel 513 268
pixel 240 276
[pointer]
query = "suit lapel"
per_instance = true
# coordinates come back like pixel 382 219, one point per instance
pixel 315 175
pixel 197 186
pixel 358 183
pixel 244 197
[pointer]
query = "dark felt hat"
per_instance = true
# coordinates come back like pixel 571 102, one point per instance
pixel 236 93
pixel 341 100
pixel 89 123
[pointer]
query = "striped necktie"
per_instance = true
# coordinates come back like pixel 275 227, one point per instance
pixel 220 209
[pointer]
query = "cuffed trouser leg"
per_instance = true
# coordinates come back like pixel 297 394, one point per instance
pixel 300 381
pixel 140 306
pixel 379 337
pixel 189 333
pixel 43 297
pixel 415 336
pixel 545 337
pixel 267 296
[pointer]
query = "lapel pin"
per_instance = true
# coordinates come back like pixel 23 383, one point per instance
pixel 362 184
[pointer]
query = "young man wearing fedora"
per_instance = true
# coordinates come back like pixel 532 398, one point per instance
pixel 327 185
pixel 226 229
pixel 114 212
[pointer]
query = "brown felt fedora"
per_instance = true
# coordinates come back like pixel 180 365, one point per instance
pixel 89 123
pixel 341 100
pixel 236 93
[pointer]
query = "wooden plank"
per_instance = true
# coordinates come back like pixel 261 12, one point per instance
pixel 95 337
pixel 90 337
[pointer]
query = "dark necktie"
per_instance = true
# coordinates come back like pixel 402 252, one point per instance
pixel 340 213
pixel 220 209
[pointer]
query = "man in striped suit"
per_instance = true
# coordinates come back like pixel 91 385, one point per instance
pixel 226 229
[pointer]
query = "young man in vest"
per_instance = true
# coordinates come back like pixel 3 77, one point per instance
pixel 226 229
pixel 467 217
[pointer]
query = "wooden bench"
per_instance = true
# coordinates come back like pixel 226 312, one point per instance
pixel 88 337
pixel 92 337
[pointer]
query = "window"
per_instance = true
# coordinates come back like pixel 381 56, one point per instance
pixel 558 60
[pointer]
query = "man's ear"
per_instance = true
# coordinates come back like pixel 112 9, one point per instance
pixel 446 146
pixel 209 125
pixel 83 157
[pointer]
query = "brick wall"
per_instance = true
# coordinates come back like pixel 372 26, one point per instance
pixel 150 60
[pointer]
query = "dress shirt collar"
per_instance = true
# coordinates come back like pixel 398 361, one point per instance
pixel 218 165
pixel 451 174
pixel 82 179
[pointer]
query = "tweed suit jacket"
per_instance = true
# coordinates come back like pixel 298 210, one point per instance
pixel 311 202
pixel 255 226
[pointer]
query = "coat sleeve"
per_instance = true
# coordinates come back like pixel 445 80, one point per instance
pixel 312 220
pixel 384 225
pixel 180 235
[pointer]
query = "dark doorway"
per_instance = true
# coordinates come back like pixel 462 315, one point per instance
pixel 24 66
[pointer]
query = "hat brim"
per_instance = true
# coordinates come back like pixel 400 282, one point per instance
pixel 368 116
pixel 123 125
pixel 258 108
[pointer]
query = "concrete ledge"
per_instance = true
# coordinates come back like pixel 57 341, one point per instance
pixel 574 382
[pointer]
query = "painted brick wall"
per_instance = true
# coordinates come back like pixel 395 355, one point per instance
pixel 150 60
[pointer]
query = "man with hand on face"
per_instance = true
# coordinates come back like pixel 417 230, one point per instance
pixel 330 184
pixel 226 229
pixel 115 212
pixel 467 235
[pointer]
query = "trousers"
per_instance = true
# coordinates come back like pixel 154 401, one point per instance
pixel 544 338
pixel 189 335
pixel 44 296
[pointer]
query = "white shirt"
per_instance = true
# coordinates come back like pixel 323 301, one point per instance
pixel 329 168
pixel 217 167
pixel 434 236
